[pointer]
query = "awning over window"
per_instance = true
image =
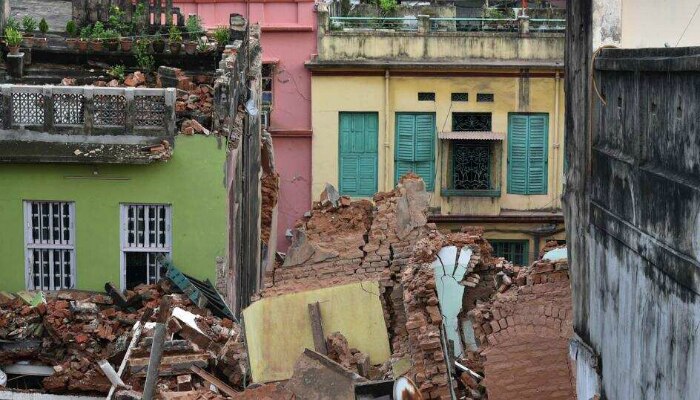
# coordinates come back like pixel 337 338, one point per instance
pixel 473 135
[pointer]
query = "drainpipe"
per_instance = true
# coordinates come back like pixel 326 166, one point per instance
pixel 387 156
pixel 556 148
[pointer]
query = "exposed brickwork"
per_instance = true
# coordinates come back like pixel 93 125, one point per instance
pixel 523 334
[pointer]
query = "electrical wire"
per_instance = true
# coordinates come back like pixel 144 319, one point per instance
pixel 688 25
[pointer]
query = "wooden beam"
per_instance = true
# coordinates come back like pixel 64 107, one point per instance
pixel 317 328
pixel 149 387
pixel 137 329
pixel 215 381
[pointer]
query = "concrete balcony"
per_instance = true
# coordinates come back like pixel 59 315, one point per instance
pixel 85 124
pixel 438 42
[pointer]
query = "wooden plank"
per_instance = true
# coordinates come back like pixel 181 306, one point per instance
pixel 137 329
pixel 170 365
pixel 214 381
pixel 149 387
pixel 317 328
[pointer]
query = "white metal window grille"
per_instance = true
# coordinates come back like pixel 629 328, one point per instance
pixel 50 245
pixel 146 242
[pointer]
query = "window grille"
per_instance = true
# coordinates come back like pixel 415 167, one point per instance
pixel 426 96
pixel 50 245
pixel 460 96
pixel 268 71
pixel 146 242
pixel 471 122
pixel 515 251
pixel 470 165
pixel 484 97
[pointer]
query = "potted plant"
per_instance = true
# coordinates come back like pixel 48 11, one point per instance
pixel 13 39
pixel 42 40
pixel 194 30
pixel 98 32
pixel 222 35
pixel 111 39
pixel 72 31
pixel 28 26
pixel 174 40
pixel 85 34
pixel 158 43
pixel 117 72
pixel 203 46
pixel 144 60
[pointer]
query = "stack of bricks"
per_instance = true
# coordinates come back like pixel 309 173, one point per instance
pixel 429 369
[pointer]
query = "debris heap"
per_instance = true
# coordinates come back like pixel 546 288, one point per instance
pixel 73 331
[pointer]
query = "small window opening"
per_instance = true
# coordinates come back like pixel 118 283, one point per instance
pixel 426 96
pixel 484 97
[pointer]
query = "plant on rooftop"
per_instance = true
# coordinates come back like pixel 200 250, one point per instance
pixel 158 42
pixel 13 23
pixel 194 31
pixel 174 39
pixel 13 39
pixel 85 34
pixel 42 41
pixel 28 27
pixel 144 60
pixel 97 36
pixel 222 35
pixel 111 39
pixel 117 72
pixel 387 6
pixel 72 31
pixel 138 20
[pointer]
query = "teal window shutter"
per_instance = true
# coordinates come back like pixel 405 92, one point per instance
pixel 537 155
pixel 415 146
pixel 527 153
pixel 358 153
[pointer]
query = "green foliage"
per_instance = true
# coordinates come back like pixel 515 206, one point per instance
pixel 387 6
pixel 110 34
pixel 494 13
pixel 98 31
pixel 86 32
pixel 202 46
pixel 13 23
pixel 138 19
pixel 174 34
pixel 117 72
pixel 194 26
pixel 144 60
pixel 117 21
pixel 28 24
pixel 12 37
pixel 222 35
pixel 43 26
pixel 72 28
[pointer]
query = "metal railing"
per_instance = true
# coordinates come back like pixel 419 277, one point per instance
pixel 547 25
pixel 444 24
pixel 409 24
pixel 88 110
pixel 474 24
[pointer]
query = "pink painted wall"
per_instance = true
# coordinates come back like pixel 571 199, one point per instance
pixel 288 40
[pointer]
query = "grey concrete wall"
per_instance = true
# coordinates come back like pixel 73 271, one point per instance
pixel 632 207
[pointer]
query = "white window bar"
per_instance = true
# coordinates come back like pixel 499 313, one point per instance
pixel 49 245
pixel 146 228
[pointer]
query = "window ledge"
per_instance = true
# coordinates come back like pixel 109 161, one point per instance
pixel 470 193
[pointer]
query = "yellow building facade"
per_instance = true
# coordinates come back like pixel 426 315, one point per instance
pixel 471 110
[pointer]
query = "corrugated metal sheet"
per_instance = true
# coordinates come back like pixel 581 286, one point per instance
pixel 476 135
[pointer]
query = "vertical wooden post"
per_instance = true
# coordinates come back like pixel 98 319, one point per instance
pixel 317 328
pixel 149 387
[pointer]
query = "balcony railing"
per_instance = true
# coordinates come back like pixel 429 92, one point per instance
pixel 442 24
pixel 88 110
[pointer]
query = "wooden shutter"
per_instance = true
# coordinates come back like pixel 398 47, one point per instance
pixel 415 146
pixel 537 155
pixel 358 154
pixel 527 154
pixel 517 154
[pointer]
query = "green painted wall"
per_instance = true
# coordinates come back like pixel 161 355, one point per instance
pixel 192 181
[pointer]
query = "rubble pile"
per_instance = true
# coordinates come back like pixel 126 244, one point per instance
pixel 72 331
pixel 528 320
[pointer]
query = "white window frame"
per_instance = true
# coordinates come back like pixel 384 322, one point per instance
pixel 52 244
pixel 146 247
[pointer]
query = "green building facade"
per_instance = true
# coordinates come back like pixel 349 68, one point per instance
pixel 88 224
